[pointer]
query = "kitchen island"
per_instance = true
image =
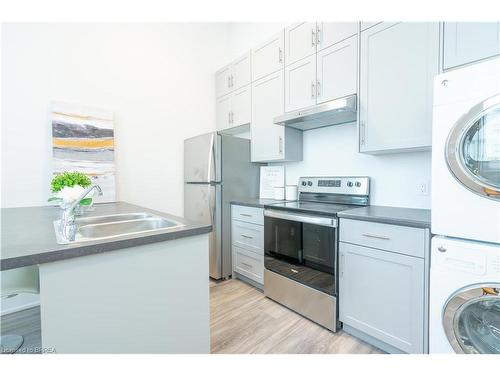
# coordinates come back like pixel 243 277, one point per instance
pixel 146 292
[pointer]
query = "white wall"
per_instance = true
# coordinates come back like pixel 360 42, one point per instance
pixel 157 78
pixel 333 150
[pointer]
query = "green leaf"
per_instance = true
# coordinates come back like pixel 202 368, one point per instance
pixel 86 201
pixel 69 179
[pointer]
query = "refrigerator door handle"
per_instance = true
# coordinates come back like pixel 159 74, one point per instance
pixel 211 158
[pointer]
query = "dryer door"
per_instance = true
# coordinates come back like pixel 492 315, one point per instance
pixel 473 149
pixel 471 319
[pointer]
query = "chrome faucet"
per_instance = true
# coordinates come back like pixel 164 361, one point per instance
pixel 67 226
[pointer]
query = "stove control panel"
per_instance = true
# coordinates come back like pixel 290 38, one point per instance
pixel 335 185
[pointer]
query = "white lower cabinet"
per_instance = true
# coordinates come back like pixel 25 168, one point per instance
pixel 271 142
pixel 382 294
pixel 247 239
pixel 248 264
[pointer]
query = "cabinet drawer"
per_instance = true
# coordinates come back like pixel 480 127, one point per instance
pixel 248 235
pixel 249 214
pixel 395 238
pixel 248 264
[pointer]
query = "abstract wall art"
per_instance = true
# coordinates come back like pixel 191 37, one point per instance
pixel 83 141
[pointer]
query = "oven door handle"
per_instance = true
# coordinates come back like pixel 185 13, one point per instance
pixel 317 220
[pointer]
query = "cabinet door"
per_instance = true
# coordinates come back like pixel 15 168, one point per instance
pixel 223 112
pixel 300 41
pixel 398 63
pixel 366 25
pixel 241 72
pixel 300 84
pixel 241 106
pixel 223 81
pixel 337 70
pixel 466 42
pixel 267 103
pixel 269 56
pixel 382 294
pixel 333 32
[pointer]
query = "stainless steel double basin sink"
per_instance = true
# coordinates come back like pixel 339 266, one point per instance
pixel 94 228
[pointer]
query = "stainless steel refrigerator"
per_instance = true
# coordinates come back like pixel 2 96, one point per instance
pixel 217 170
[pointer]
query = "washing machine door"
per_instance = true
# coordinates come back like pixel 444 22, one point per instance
pixel 471 320
pixel 473 149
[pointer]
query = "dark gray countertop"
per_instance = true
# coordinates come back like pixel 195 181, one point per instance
pixel 413 217
pixel 28 234
pixel 256 202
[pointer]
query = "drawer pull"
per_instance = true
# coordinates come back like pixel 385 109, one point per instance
pixel 247 264
pixel 377 237
pixel 247 215
pixel 245 236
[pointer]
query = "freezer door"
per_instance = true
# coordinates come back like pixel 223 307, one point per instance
pixel 201 204
pixel 202 158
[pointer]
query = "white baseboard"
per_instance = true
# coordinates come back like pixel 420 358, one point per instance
pixel 19 302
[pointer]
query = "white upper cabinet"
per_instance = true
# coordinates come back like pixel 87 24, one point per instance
pixel 271 142
pixel 329 33
pixel 267 103
pixel 300 41
pixel 366 25
pixel 223 81
pixel 233 76
pixel 234 109
pixel 223 112
pixel 337 70
pixel 241 106
pixel 241 71
pixel 300 84
pixel 268 57
pixel 466 42
pixel 398 63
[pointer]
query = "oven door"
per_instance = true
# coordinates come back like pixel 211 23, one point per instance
pixel 302 247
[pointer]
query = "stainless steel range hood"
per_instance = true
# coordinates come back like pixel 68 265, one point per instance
pixel 334 112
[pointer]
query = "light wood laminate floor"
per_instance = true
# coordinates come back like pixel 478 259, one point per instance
pixel 242 320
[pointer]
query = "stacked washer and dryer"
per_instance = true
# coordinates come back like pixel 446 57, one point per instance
pixel 464 314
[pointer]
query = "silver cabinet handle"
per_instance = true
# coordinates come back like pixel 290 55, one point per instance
pixel 228 82
pixel 232 117
pixel 318 34
pixel 313 91
pixel 313 37
pixel 377 237
pixel 342 264
pixel 280 55
pixel 232 80
pixel 442 249
pixel 229 117
pixel 362 133
pixel 318 88
pixel 245 236
pixel 280 145
pixel 247 264
pixel 247 215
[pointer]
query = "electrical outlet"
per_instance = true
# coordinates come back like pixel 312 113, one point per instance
pixel 422 188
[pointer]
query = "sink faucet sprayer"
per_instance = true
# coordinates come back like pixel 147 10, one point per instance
pixel 68 226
